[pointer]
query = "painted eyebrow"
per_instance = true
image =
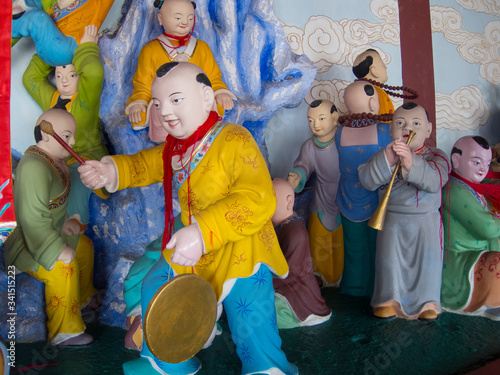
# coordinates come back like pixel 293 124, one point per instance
pixel 174 93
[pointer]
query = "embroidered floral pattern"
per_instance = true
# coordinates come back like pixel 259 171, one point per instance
pixel 60 13
pixel 206 260
pixel 266 235
pixel 245 354
pixel 239 135
pixel 230 187
pixel 190 201
pixel 239 259
pixel 243 307
pixel 74 309
pixel 493 265
pixel 67 271
pixel 137 172
pixel 207 168
pixel 55 302
pixel 237 215
pixel 181 176
pixel 249 161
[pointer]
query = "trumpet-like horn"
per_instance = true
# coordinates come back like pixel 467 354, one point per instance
pixel 378 217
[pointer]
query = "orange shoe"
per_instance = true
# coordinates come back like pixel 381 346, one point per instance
pixel 428 316
pixel 384 312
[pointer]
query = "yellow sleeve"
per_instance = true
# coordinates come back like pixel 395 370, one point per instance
pixel 203 57
pixel 248 203
pixel 141 169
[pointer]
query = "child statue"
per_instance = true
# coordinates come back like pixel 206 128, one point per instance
pixel 78 90
pixel 472 231
pixel 227 201
pixel 176 44
pixel 298 298
pixel 369 65
pixel 46 243
pixel 360 135
pixel 409 252
pixel 319 155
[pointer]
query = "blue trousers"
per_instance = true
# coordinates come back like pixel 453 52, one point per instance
pixel 53 47
pixel 251 317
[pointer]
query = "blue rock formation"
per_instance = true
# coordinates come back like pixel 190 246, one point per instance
pixel 258 67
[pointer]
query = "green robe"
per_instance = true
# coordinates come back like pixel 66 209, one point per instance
pixel 41 190
pixel 470 230
pixel 85 107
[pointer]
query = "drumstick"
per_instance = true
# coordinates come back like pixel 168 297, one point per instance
pixel 47 127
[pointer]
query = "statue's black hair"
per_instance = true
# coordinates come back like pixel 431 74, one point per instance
pixel 318 102
pixel 369 90
pixel 363 68
pixel 412 105
pixel 478 139
pixel 38 134
pixel 167 67
pixel 481 142
pixel 159 3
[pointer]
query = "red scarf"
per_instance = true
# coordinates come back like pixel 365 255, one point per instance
pixel 490 191
pixel 173 147
pixel 183 40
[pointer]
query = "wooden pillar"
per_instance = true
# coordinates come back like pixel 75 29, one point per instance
pixel 416 54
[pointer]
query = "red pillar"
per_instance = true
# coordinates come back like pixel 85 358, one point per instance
pixel 416 55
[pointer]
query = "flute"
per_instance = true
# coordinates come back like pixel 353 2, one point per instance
pixel 378 217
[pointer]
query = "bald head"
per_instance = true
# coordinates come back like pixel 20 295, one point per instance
pixel 361 96
pixel 64 124
pixel 285 198
pixel 471 158
pixel 182 97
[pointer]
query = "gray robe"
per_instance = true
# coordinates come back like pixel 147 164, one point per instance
pixel 409 249
pixel 325 163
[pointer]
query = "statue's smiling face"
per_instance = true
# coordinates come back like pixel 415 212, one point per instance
pixel 67 80
pixel 182 103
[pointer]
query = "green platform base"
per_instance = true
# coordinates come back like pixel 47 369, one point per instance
pixel 352 342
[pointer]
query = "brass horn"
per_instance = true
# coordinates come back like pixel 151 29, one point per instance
pixel 378 217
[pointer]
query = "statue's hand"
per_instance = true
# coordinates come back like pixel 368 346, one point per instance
pixel 225 100
pixel 71 227
pixel 95 174
pixel 134 112
pixel 404 153
pixel 294 179
pixel 90 34
pixel 188 244
pixel 392 157
pixel 67 255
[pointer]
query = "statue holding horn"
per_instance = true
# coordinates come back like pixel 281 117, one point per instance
pixel 409 251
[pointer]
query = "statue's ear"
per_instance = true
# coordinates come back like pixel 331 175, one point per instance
pixel 335 116
pixel 373 104
pixel 289 202
pixel 208 98
pixel 429 130
pixel 455 160
pixel 45 137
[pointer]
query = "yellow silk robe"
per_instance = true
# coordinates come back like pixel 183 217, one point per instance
pixel 231 198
